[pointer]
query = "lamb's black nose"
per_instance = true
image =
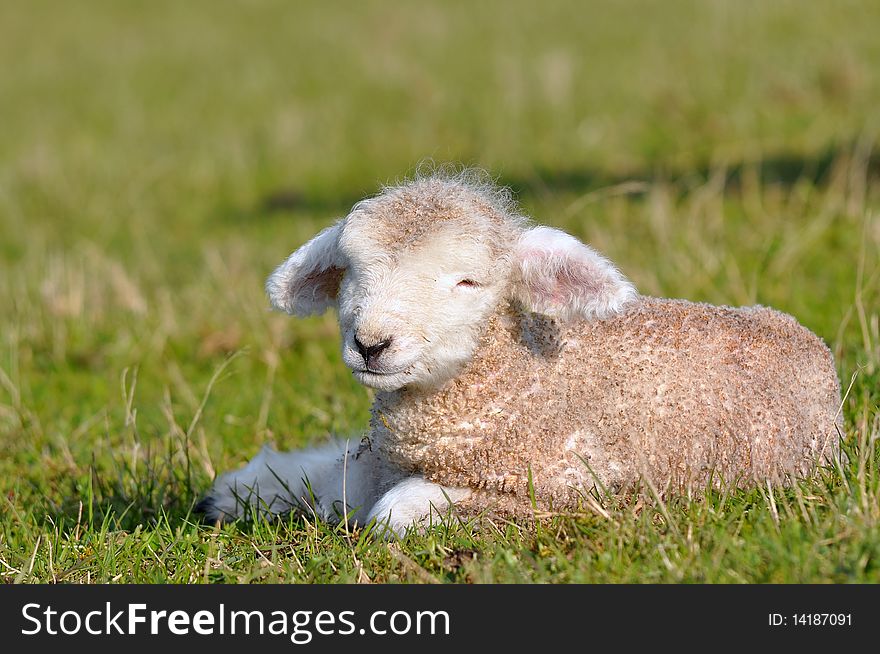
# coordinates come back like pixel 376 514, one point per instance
pixel 371 352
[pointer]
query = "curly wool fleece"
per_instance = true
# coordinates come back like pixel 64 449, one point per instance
pixel 683 394
pixel 518 368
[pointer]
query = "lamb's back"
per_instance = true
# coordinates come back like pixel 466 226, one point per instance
pixel 743 393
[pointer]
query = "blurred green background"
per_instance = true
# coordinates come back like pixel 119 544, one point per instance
pixel 158 159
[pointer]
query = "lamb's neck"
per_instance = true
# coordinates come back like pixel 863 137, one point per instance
pixel 442 432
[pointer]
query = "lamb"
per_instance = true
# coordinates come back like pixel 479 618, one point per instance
pixel 515 368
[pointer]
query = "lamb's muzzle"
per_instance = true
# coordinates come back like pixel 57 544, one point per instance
pixel 523 365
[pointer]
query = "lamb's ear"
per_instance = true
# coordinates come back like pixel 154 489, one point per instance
pixel 308 281
pixel 557 275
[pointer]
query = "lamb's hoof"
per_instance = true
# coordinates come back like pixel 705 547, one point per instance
pixel 210 512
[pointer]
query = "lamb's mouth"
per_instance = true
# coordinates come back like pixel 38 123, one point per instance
pixel 377 373
pixel 381 380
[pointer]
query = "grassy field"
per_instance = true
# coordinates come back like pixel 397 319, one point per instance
pixel 157 159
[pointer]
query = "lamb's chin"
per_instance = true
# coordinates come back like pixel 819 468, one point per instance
pixel 381 382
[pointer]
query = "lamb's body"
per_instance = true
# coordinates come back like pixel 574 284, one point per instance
pixel 671 390
pixel 515 365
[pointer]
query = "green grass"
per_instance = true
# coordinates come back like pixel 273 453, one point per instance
pixel 158 159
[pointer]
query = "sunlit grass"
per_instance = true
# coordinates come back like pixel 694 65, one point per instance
pixel 155 166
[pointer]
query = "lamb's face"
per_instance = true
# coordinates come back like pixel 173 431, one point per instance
pixel 412 316
pixel 416 271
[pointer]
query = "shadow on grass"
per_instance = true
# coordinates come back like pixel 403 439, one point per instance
pixel 123 496
pixel 781 169
pixel 159 492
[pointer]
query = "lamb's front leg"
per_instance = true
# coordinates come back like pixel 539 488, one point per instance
pixel 332 481
pixel 410 503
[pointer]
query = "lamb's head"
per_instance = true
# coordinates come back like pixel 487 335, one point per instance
pixel 416 272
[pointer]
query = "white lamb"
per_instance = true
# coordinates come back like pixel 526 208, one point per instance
pixel 516 367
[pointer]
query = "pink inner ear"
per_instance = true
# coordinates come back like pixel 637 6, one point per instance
pixel 567 282
pixel 545 291
pixel 578 279
pixel 562 277
pixel 552 281
pixel 319 284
